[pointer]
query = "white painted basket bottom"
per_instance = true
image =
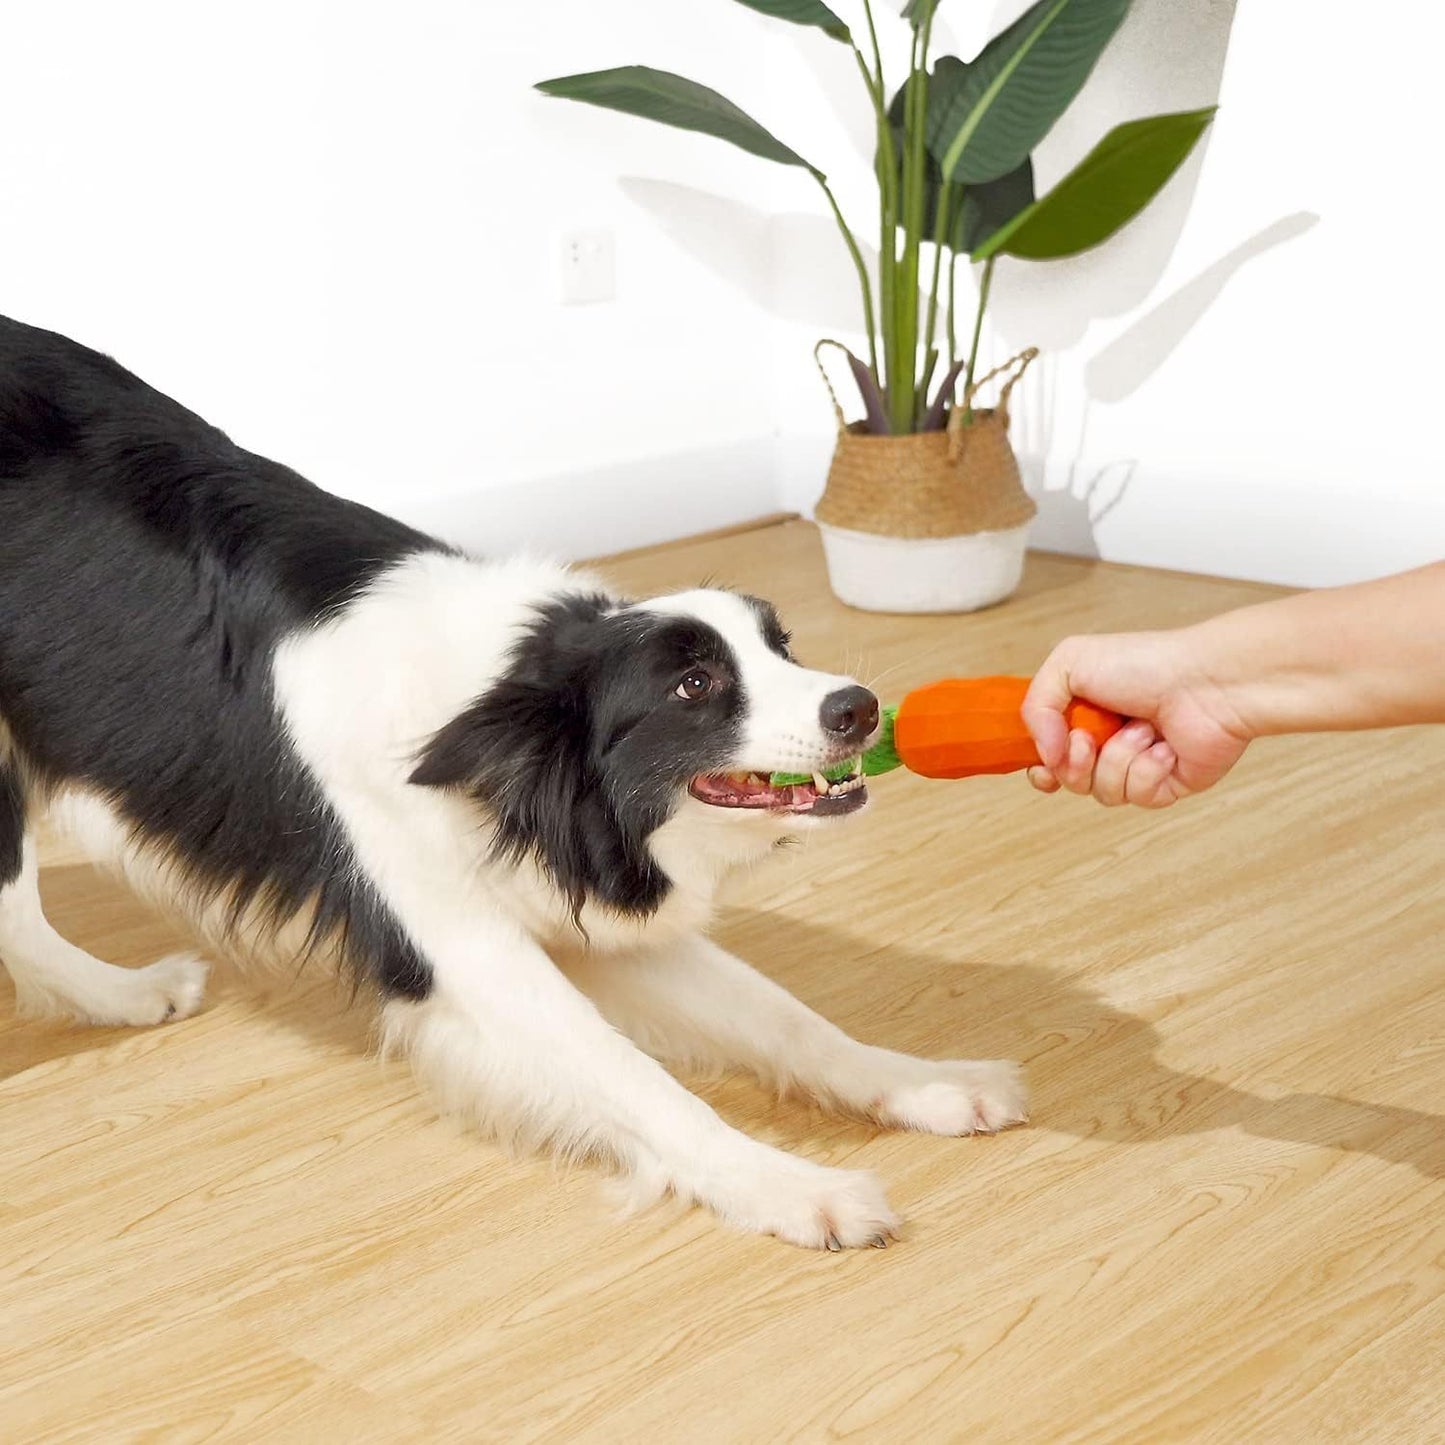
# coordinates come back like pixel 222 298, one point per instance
pixel 923 574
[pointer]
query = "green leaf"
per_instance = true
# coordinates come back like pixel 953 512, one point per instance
pixel 1105 191
pixel 916 11
pixel 948 78
pixel 991 205
pixel 673 100
pixel 1020 83
pixel 803 12
pixel 944 82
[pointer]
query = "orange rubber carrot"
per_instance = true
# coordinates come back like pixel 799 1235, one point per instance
pixel 961 728
pixel 968 726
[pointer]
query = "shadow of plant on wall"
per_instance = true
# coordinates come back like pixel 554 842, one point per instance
pixel 1132 357
pixel 1070 514
pixel 1169 53
pixel 788 263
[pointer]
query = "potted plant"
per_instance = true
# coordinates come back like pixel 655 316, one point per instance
pixel 923 509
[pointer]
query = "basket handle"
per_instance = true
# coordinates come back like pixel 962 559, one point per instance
pixel 823 372
pixel 1017 365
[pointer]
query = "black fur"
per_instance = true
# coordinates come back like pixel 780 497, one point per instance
pixel 774 633
pixel 580 750
pixel 148 568
pixel 12 821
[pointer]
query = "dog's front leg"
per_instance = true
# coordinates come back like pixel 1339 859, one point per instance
pixel 506 1040
pixel 693 1004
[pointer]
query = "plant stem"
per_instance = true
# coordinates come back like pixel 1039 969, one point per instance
pixel 857 255
pixel 866 74
pixel 952 298
pixel 983 286
pixel 873 40
pixel 886 168
pixel 941 223
pixel 930 363
pixel 902 402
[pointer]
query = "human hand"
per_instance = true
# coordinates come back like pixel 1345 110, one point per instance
pixel 1184 736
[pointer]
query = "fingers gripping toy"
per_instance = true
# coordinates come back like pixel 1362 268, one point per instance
pixel 961 728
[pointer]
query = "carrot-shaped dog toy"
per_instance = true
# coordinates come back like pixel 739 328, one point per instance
pixel 963 727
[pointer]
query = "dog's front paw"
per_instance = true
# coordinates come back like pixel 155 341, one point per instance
pixel 810 1205
pixel 963 1096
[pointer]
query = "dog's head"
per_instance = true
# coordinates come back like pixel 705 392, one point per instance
pixel 611 718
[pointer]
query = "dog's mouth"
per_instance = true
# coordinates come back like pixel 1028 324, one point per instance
pixel 819 796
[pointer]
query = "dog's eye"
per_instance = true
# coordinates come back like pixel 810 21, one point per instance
pixel 696 684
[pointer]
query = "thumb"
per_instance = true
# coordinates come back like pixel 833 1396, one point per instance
pixel 1043 710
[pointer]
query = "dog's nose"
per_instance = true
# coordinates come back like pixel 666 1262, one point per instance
pixel 850 714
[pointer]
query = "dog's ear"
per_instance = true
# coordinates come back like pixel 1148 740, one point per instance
pixel 446 761
pixel 526 752
pixel 517 719
pixel 502 734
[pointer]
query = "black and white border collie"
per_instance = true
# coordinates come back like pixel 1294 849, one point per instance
pixel 497 794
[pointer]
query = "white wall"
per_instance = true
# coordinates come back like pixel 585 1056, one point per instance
pixel 329 227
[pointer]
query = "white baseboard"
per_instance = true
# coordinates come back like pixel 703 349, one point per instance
pixel 611 509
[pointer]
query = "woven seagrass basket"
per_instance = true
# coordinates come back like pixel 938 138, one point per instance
pixel 933 521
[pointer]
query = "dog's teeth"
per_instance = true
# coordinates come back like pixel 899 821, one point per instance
pixel 820 783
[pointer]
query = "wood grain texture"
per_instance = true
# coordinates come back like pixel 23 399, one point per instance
pixel 1226 1223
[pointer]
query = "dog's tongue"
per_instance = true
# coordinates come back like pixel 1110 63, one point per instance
pixel 737 789
pixel 752 790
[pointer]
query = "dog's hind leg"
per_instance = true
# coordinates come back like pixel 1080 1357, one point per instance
pixel 54 977
pixel 693 1004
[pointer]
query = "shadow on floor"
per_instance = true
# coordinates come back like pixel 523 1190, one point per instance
pixel 1094 1071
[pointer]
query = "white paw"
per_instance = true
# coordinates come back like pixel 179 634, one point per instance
pixel 109 996
pixel 963 1096
pixel 171 988
pixel 808 1204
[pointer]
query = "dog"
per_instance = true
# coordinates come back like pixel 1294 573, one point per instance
pixel 497 794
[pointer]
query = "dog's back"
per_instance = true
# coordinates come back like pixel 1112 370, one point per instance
pixel 149 568
pixel 86 448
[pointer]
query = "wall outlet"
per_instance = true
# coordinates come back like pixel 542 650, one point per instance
pixel 588 263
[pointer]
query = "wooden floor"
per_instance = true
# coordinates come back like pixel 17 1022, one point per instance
pixel 1226 1222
